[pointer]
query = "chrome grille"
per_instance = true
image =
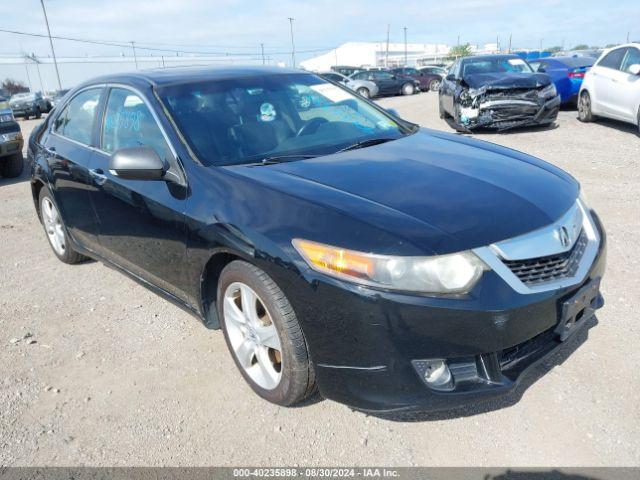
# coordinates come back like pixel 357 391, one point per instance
pixel 535 271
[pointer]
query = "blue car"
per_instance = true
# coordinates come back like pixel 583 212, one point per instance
pixel 567 74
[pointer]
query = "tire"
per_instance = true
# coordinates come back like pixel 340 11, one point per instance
pixel 441 111
pixel 38 113
pixel 584 107
pixel 289 377
pixel 54 227
pixel 364 92
pixel 408 89
pixel 434 85
pixel 11 166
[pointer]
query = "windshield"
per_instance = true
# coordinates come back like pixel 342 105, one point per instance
pixel 247 120
pixel 494 65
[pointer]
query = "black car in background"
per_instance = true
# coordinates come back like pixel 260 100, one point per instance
pixel 388 82
pixel 428 81
pixel 346 70
pixel 11 142
pixel 497 91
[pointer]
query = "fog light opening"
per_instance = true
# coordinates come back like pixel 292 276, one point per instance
pixel 437 373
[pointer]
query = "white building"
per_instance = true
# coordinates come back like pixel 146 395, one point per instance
pixel 367 54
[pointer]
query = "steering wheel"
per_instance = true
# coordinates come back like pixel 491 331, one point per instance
pixel 311 126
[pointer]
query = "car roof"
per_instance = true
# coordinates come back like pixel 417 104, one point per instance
pixel 160 77
pixel 572 61
pixel 490 57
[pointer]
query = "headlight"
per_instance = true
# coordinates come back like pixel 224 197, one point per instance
pixel 6 117
pixel 453 273
pixel 9 137
pixel 548 91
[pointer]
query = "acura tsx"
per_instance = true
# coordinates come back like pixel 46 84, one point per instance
pixel 337 246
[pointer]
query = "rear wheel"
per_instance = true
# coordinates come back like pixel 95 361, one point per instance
pixel 38 112
pixel 56 231
pixel 364 92
pixel 434 85
pixel 263 335
pixel 584 107
pixel 408 89
pixel 11 166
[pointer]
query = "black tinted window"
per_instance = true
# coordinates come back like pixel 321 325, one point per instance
pixel 613 59
pixel 128 122
pixel 77 119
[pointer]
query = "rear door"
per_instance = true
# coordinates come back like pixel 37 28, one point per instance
pixel 68 150
pixel 604 75
pixel 141 222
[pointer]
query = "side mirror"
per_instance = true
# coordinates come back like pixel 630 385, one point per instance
pixel 393 77
pixel 137 163
pixel 450 77
pixel 634 69
pixel 393 112
pixel 541 69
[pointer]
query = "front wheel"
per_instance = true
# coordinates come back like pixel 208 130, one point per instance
pixel 584 107
pixel 11 167
pixel 408 89
pixel 263 334
pixel 38 113
pixel 434 85
pixel 363 92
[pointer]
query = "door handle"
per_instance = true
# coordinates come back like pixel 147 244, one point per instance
pixel 50 150
pixel 98 176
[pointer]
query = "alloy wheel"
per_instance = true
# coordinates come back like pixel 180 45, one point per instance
pixel 584 106
pixel 252 335
pixel 53 226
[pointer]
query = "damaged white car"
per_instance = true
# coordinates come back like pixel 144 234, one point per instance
pixel 497 91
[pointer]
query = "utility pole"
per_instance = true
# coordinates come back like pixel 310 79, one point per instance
pixel 37 62
pixel 26 69
pixel 262 50
pixel 498 43
pixel 53 52
pixel 405 46
pixel 293 45
pixel 627 37
pixel 135 57
pixel 541 45
pixel 509 44
pixel 386 58
pixel 458 40
pixel 162 57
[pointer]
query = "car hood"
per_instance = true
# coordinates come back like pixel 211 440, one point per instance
pixel 438 191
pixel 507 80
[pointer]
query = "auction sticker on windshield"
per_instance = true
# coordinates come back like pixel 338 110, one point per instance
pixel 333 93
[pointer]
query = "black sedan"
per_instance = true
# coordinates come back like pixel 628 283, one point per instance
pixel 428 81
pixel 338 247
pixel 497 91
pixel 389 83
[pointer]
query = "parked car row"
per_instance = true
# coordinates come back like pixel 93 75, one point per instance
pixel 29 104
pixel 505 91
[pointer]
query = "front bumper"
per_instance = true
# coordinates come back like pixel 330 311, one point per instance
pixel 364 342
pixel 508 116
pixel 9 148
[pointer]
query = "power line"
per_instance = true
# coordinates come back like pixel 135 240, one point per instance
pixel 153 49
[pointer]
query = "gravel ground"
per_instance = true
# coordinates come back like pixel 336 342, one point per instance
pixel 96 370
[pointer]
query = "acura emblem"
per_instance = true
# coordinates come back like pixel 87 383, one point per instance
pixel 564 237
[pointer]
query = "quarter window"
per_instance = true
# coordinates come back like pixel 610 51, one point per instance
pixel 128 122
pixel 613 59
pixel 77 119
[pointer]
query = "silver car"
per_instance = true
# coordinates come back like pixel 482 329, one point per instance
pixel 364 88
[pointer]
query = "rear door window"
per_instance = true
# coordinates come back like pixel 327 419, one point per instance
pixel 77 119
pixel 613 59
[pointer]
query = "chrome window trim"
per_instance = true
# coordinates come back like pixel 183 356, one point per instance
pixel 491 254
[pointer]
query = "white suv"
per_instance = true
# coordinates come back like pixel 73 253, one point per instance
pixel 611 88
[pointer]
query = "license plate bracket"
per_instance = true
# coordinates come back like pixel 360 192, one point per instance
pixel 576 310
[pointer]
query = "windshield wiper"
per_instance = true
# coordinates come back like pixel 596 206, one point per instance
pixel 280 158
pixel 365 143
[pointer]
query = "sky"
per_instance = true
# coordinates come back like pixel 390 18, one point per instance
pixel 241 25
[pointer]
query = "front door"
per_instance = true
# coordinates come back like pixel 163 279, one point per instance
pixel 68 151
pixel 141 222
pixel 626 84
